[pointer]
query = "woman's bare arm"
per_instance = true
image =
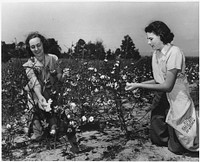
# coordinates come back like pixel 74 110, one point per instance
pixel 149 82
pixel 167 86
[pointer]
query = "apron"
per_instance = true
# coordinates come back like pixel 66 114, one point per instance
pixel 182 116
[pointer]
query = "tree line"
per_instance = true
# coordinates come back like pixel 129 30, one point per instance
pixel 81 50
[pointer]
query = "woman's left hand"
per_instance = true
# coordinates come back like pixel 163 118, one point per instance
pixel 131 86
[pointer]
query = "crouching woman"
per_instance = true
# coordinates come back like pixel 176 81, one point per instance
pixel 174 122
pixel 39 69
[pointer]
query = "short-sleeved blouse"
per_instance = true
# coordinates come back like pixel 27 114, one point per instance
pixel 169 58
pixel 50 64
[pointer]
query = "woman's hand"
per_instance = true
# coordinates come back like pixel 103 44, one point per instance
pixel 44 105
pixel 42 102
pixel 131 86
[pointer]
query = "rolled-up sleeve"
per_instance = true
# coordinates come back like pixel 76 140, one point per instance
pixel 33 81
pixel 175 60
pixel 55 64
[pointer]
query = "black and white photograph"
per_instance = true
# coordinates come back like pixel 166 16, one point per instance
pixel 99 80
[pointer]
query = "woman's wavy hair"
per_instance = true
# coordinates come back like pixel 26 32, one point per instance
pixel 36 35
pixel 159 28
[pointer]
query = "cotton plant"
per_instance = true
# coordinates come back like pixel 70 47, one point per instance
pixel 91 119
pixel 84 118
pixel 113 78
pixel 46 105
pixel 8 126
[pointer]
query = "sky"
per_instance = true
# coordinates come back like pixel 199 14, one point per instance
pixel 107 21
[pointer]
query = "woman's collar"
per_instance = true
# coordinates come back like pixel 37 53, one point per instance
pixel 165 48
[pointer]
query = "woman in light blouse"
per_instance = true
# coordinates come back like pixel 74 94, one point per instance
pixel 174 122
pixel 39 70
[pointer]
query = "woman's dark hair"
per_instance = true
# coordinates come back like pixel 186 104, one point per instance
pixel 35 35
pixel 160 29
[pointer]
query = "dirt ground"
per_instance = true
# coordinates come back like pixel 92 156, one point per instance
pixel 110 145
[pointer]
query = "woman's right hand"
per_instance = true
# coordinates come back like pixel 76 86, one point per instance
pixel 44 105
pixel 131 86
pixel 42 102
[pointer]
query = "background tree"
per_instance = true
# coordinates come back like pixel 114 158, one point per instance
pixel 7 51
pixel 80 49
pixel 110 55
pixel 20 50
pixel 91 50
pixel 117 53
pixel 99 50
pixel 128 49
pixel 54 48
